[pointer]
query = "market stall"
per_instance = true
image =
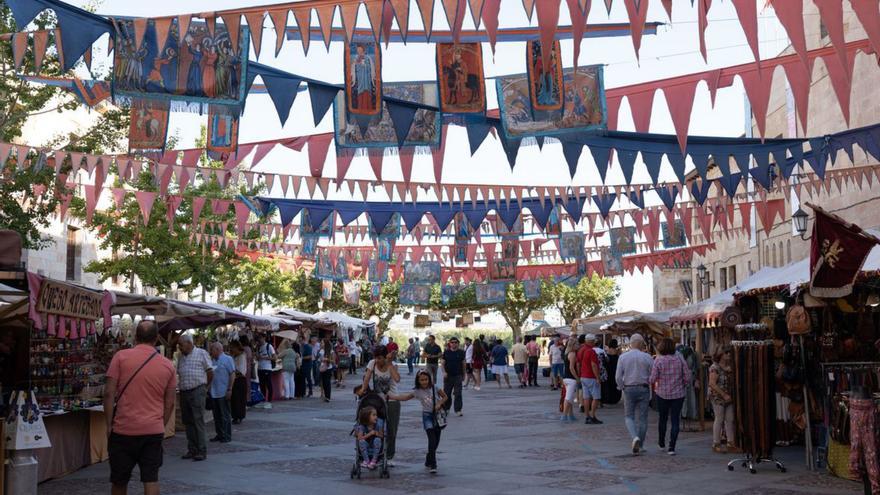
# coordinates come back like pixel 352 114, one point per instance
pixel 349 327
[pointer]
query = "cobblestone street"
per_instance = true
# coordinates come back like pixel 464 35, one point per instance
pixel 507 440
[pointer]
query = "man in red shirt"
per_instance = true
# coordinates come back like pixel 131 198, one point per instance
pixel 393 348
pixel 587 368
pixel 138 402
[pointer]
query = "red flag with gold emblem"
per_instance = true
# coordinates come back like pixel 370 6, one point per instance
pixel 837 252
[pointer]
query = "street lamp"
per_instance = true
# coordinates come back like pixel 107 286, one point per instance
pixel 779 303
pixel 800 218
pixel 703 275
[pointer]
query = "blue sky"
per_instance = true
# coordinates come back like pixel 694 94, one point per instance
pixel 673 51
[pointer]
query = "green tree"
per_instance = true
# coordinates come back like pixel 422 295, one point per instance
pixel 590 297
pixel 385 308
pixel 256 282
pixel 22 101
pixel 517 307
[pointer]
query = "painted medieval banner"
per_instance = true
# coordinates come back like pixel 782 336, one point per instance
pixel 351 293
pixel 363 77
pixel 326 289
pixel 149 125
pixel 571 245
pixel 504 270
pixel 222 134
pixel 423 272
pixel 462 238
pixel 532 288
pixel 324 229
pixel 545 77
pixel 375 292
pixel 674 237
pixel 385 248
pixel 340 271
pixel 611 263
pixel 377 271
pixel 379 130
pixel 491 293
pixel 390 230
pixel 324 269
pixel 583 109
pixel 623 240
pixel 203 67
pixel 415 294
pixel 553 227
pixel 448 292
pixel 460 74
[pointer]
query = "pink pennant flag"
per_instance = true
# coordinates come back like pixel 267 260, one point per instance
pixel 220 206
pixel 791 15
pixel 145 201
pixel 119 197
pixel 255 23
pixel 311 182
pixel 637 11
pixel 437 156
pixel 242 212
pixel 641 104
pixel 324 186
pixel 172 204
pixel 376 155
pixel 747 12
pixel 831 12
pixel 363 185
pixel 91 200
pixel 680 100
pixel 758 90
pixel 318 146
pixel 21 153
pixel 703 7
pixel 406 164
pixel 612 104
pixel 491 10
pixel 841 81
pixel 548 20
pixel 41 41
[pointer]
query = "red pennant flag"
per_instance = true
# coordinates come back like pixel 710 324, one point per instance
pixel 491 9
pixel 703 7
pixel 279 20
pixel 758 90
pixel 318 146
pixel 637 11
pixel 641 104
pixel 747 11
pixel 837 252
pixel 791 15
pixel 680 100
pixel 255 23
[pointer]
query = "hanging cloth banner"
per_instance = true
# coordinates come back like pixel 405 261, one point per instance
pixel 149 126
pixel 201 67
pixel 837 252
pixel 491 293
pixel 460 77
pixel 414 294
pixel 545 77
pixel 584 105
pixel 462 238
pixel 222 134
pixel 363 77
pixel 421 127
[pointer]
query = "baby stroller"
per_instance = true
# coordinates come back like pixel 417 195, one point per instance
pixel 376 401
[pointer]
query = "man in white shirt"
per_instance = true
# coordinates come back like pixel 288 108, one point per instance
pixel 354 350
pixel 195 369
pixel 633 377
pixel 469 361
pixel 265 363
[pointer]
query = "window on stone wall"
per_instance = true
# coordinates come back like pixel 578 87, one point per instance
pixel 773 256
pixel 788 249
pixel 722 278
pixel 74 254
pixel 749 266
pixel 766 256
pixel 731 275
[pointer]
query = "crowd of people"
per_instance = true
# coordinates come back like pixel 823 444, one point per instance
pixel 586 374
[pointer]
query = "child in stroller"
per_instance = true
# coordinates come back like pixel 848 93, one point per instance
pixel 370 433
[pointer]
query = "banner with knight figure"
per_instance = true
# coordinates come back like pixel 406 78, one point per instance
pixel 202 67
pixel 460 75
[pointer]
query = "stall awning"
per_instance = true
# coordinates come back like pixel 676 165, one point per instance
pixel 227 315
pixel 595 323
pixel 646 323
pixel 160 308
pixel 347 322
pixel 707 311
pixel 308 320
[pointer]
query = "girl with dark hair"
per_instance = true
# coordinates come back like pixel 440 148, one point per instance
pixel 369 432
pixel 432 400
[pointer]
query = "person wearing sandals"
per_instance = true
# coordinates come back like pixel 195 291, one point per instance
pixel 382 376
pixel 433 415
pixel 721 396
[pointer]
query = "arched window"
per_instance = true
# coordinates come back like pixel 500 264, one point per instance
pixel 788 249
pixel 766 255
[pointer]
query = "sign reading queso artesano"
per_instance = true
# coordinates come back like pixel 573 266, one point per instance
pixel 68 300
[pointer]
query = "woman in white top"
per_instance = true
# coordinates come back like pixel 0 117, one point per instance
pixel 469 361
pixel 327 363
pixel 382 376
pixel 557 364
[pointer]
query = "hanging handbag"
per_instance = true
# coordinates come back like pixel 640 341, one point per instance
pixel 439 416
pixel 797 320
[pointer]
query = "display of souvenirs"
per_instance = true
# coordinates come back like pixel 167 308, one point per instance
pixel 65 373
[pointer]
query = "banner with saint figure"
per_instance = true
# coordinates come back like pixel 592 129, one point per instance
pixel 222 134
pixel 460 77
pixel 363 77
pixel 545 76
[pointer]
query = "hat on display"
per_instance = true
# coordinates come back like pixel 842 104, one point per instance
pixel 591 337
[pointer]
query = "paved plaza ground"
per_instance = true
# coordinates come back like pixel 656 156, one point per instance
pixel 507 441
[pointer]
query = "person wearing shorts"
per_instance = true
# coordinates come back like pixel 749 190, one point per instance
pixel 588 370
pixel 499 363
pixel 139 399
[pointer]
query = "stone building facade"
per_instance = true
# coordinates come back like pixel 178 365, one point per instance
pixel 739 256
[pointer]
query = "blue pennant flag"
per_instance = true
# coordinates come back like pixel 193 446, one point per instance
pixel 283 92
pixel 652 163
pixel 627 160
pixel 668 196
pixel 402 116
pixel 700 190
pixel 730 183
pixel 322 97
pixel 572 153
pixel 601 155
pixel 604 202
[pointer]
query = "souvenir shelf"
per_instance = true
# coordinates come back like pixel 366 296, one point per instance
pixel 64 374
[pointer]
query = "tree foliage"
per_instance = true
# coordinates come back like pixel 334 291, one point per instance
pixel 591 296
pixel 517 307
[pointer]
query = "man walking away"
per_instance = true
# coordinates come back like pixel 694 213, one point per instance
pixel 453 374
pixel 411 352
pixel 633 373
pixel 221 393
pixel 307 368
pixel 138 402
pixel 534 351
pixel 265 363
pixel 520 359
pixel 499 362
pixel 195 371
pixel 432 357
pixel 588 371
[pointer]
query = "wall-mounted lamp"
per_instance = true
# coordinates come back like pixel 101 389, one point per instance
pixel 779 303
pixel 873 300
pixel 703 275
pixel 800 218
